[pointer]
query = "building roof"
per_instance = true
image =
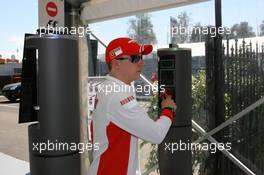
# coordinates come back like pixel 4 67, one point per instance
pixel 198 49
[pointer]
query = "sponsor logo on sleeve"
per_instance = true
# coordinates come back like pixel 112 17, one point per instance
pixel 127 100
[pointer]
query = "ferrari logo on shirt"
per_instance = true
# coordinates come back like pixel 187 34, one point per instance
pixel 126 100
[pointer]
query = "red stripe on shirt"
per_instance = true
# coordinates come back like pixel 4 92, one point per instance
pixel 168 113
pixel 114 161
pixel 91 130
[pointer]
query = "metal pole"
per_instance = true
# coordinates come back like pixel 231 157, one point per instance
pixel 72 19
pixel 219 85
pixel 231 120
pixel 224 151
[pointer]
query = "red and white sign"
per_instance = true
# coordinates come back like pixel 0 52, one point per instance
pixel 51 12
pixel 52 9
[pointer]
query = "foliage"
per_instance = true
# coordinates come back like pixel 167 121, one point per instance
pixel 198 115
pixel 261 29
pixel 153 113
pixel 181 24
pixel 197 35
pixel 141 29
pixel 242 30
pixel 198 95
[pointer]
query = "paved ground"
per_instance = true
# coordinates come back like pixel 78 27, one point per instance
pixel 13 136
pixel 12 166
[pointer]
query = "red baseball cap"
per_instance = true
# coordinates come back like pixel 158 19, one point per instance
pixel 125 46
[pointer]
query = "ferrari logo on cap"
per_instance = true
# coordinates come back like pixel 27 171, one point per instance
pixel 115 52
pixel 118 51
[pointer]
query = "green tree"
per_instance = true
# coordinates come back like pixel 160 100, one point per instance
pixel 198 115
pixel 153 155
pixel 179 28
pixel 242 30
pixel 141 29
pixel 197 34
pixel 261 27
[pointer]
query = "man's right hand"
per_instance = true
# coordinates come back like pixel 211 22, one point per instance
pixel 168 103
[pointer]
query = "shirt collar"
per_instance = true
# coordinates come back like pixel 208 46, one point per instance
pixel 111 78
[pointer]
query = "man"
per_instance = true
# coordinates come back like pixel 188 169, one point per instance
pixel 118 121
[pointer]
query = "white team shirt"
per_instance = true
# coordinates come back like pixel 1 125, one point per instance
pixel 118 122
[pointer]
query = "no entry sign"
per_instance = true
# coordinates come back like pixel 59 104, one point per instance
pixel 52 9
pixel 51 12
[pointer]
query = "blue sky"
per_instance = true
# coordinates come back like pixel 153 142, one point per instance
pixel 21 16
